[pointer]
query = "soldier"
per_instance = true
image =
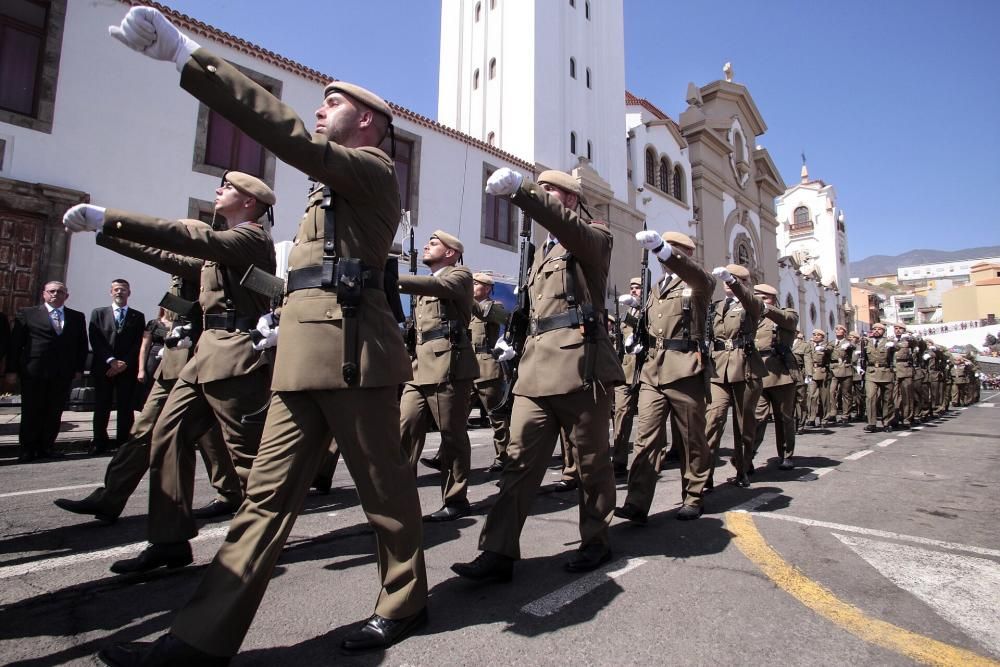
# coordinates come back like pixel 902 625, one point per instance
pixel 904 361
pixel 936 364
pixel 226 380
pixel 627 394
pixel 799 350
pixel 921 384
pixel 565 379
pixel 858 390
pixel 774 339
pixel 842 380
pixel 817 376
pixel 949 380
pixel 341 353
pixel 737 369
pixel 487 318
pixel 445 368
pixel 877 371
pixel 674 379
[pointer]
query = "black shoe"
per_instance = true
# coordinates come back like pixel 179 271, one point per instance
pixel 689 512
pixel 709 485
pixel 888 428
pixel 51 454
pixel 99 447
pixel 786 464
pixel 488 566
pixel 632 513
pixel 588 558
pixel 213 509
pixel 741 480
pixel 621 471
pixel 433 464
pixel 871 429
pixel 561 486
pixel 381 632
pixel 171 556
pixel 496 467
pixel 86 506
pixel 167 650
pixel 322 485
pixel 449 513
pixel 27 457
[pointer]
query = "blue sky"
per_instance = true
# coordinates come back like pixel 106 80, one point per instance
pixel 894 102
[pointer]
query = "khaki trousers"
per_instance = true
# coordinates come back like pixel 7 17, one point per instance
pixel 448 405
pixel 780 402
pixel 131 461
pixel 297 432
pixel 819 399
pixel 904 398
pixel 878 396
pixel 683 402
pixel 801 403
pixel 742 397
pixel 190 411
pixel 328 464
pixel 939 400
pixel 841 397
pixel 626 404
pixel 490 392
pixel 859 398
pixel 534 426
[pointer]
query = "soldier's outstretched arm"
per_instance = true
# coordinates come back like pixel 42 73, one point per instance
pixel 690 272
pixel 494 312
pixel 785 318
pixel 164 260
pixel 753 304
pixel 455 284
pixel 589 243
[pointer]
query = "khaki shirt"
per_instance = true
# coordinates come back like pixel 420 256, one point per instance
pixel 817 359
pixel 487 318
pixel 906 356
pixel 366 213
pixel 774 340
pixel 553 362
pixel 442 299
pixel 739 321
pixel 841 358
pixel 879 360
pixel 628 360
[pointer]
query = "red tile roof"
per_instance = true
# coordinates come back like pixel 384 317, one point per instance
pixel 633 100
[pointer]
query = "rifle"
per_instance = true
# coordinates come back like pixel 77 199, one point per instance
pixel 619 338
pixel 268 284
pixel 519 321
pixel 640 334
pixel 188 313
pixel 410 334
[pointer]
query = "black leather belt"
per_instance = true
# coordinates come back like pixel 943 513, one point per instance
pixel 238 323
pixel 312 276
pixel 540 325
pixel 880 365
pixel 730 344
pixel 482 349
pixel 443 331
pixel 675 344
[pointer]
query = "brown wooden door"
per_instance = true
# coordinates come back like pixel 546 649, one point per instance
pixel 21 247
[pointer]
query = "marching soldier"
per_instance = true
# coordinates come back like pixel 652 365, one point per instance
pixel 487 318
pixel 737 370
pixel 774 339
pixel 445 368
pixel 673 378
pixel 817 375
pixel 627 395
pixel 842 377
pixel 858 392
pixel 949 380
pixel 921 384
pixel 878 374
pixel 799 350
pixel 565 379
pixel 341 353
pixel 904 361
pixel 936 362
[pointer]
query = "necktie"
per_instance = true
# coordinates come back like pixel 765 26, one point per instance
pixel 119 318
pixel 57 320
pixel 725 309
pixel 548 247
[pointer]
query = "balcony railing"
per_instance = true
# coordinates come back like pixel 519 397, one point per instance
pixel 800 228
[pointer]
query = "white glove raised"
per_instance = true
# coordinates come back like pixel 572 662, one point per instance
pixel 649 239
pixel 844 345
pixel 628 301
pixel 723 274
pixel 502 351
pixel 503 181
pixel 84 218
pixel 926 356
pixel 147 31
pixel 890 344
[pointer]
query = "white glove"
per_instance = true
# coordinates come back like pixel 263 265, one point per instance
pixel 181 331
pixel 159 353
pixel 84 218
pixel 183 344
pixel 890 344
pixel 147 31
pixel 649 239
pixel 268 332
pixel 820 348
pixel 629 340
pixel 503 351
pixel 723 274
pixel 628 301
pixel 844 345
pixel 638 349
pixel 503 181
pixel 926 356
pixel 809 379
pixel 861 371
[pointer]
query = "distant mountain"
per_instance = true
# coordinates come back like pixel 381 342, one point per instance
pixel 880 265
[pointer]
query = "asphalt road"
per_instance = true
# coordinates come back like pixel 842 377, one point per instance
pixel 877 546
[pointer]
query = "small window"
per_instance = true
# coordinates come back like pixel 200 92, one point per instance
pixel 30 51
pixel 664 174
pixel 590 151
pixel 650 167
pixel 677 190
pixel 491 139
pixel 407 163
pixel 789 302
pixel 812 312
pixel 475 80
pixel 572 143
pixel 801 215
pixel 572 68
pixel 586 10
pixel 831 322
pixel 572 3
pixel 493 68
pixel 493 4
pixel 499 217
pixel 479 11
pixel 588 78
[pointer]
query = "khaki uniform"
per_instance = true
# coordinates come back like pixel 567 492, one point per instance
pixel 673 382
pixel 799 350
pixel 626 398
pixel 310 396
pixel 565 380
pixel 226 380
pixel 817 371
pixel 444 369
pixel 841 380
pixel 774 340
pixel 487 318
pixel 878 381
pixel 737 369
pixel 904 362
pixel 936 369
pixel 858 400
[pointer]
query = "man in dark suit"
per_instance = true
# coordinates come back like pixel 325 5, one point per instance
pixel 115 336
pixel 4 339
pixel 48 349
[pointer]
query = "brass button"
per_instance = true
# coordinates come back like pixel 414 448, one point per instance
pixel 118 225
pixel 329 314
pixel 659 331
pixel 659 314
pixel 211 68
pixel 202 288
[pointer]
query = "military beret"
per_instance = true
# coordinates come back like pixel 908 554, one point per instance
pixel 853 334
pixel 764 288
pixel 449 240
pixel 678 239
pixel 738 270
pixel 363 95
pixel 879 325
pixel 612 318
pixel 820 332
pixel 635 281
pixel 483 278
pixel 563 181
pixel 251 185
pixel 840 326
pixel 899 325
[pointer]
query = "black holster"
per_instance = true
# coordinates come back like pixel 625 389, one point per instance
pixel 349 297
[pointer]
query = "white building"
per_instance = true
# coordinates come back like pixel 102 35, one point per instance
pixel 958 271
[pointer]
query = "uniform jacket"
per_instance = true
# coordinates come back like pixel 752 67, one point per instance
pixel 879 355
pixel 193 250
pixel 774 340
pixel 553 361
pixel 628 359
pixel 107 340
pixel 936 364
pixel 366 213
pixel 841 358
pixel 36 351
pixel 817 359
pixel 739 321
pixel 960 373
pixel 442 298
pixel 906 355
pixel 487 318
pixel 688 283
pixel 799 350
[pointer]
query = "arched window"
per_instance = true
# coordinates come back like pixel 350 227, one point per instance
pixel 588 78
pixel 741 155
pixel 572 143
pixel 743 255
pixel 479 11
pixel 664 174
pixel 572 3
pixel 650 167
pixel 801 215
pixel 475 80
pixel 572 67
pixel 491 139
pixel 677 189
pixel 493 68
pixel 812 312
pixel 590 151
pixel 789 302
pixel 831 321
pixel 493 4
pixel 586 9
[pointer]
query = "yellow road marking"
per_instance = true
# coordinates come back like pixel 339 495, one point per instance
pixel 826 604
